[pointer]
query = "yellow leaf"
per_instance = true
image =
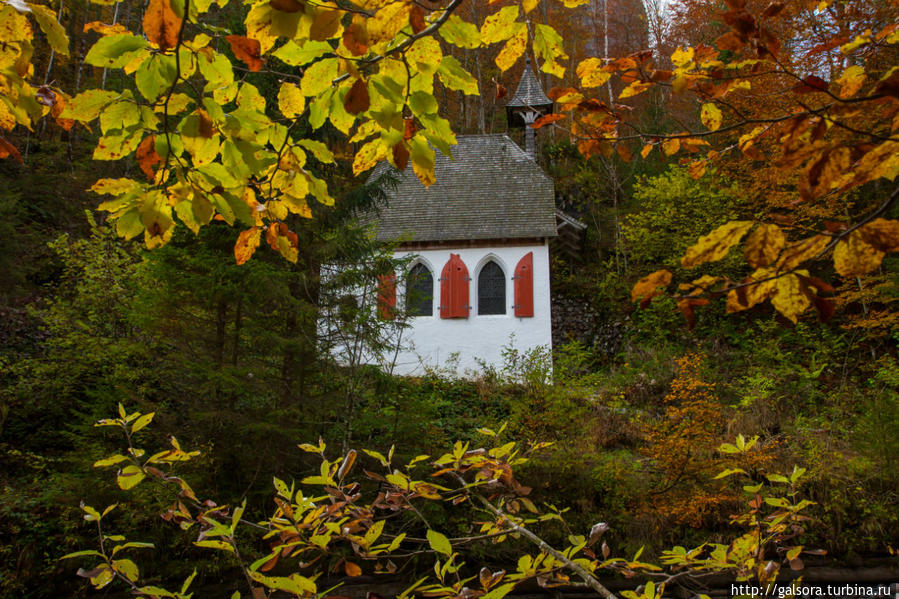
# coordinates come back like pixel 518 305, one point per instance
pixel 422 159
pixel 711 116
pixel 129 477
pixel 646 150
pixel 500 26
pixel 265 24
pixel 854 256
pixel 763 245
pixel 671 146
pixel 681 57
pixel 648 287
pixel 635 88
pixel 291 101
pixel 369 155
pixel 247 242
pixel 790 299
pixel 591 74
pixel 388 21
pixel 529 5
pixel 513 49
pixel 574 3
pixel 716 244
pixel 851 81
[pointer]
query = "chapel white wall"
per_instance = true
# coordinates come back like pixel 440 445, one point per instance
pixel 431 341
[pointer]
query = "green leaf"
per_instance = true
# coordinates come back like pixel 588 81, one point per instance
pixel 115 51
pixel 500 591
pixel 214 544
pixel 778 478
pixel 439 542
pixel 156 75
pixel 460 33
pixel 81 554
pixel 296 55
pixel 110 461
pixel 127 568
pixel 423 103
pixel 87 105
pixel 318 149
pixel 56 34
pixel 317 78
pixel 453 76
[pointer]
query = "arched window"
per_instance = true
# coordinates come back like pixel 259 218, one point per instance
pixel 491 289
pixel 420 291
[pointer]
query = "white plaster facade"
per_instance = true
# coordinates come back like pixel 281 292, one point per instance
pixel 432 342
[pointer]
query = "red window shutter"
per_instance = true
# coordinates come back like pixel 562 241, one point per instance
pixel 454 289
pixel 387 296
pixel 524 286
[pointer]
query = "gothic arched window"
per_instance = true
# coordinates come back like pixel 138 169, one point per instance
pixel 420 291
pixel 491 289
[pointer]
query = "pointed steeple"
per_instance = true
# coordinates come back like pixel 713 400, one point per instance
pixel 529 97
pixel 528 104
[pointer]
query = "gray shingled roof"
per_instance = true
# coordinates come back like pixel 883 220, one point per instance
pixel 492 190
pixel 529 92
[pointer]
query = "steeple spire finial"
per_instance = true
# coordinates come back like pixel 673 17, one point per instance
pixel 527 105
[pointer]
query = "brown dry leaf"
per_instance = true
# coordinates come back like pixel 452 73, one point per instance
pixel 161 24
pixel 355 38
pixel 696 169
pixel 854 256
pixel 246 50
pixel 357 99
pixel 400 156
pixel 417 19
pixel 649 286
pixel 763 245
pixel 882 234
pixel 715 245
pixel 800 251
pixel 326 24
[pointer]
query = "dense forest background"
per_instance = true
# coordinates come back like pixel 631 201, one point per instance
pixel 230 358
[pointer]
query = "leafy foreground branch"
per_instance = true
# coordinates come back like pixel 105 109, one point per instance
pixel 343 527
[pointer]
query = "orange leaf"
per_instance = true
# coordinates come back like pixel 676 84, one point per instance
pixel 104 29
pixel 246 50
pixel 161 24
pixel 547 119
pixel 357 99
pixel 246 245
pixel 648 287
pixel 352 569
pixel 7 149
pixel 147 156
